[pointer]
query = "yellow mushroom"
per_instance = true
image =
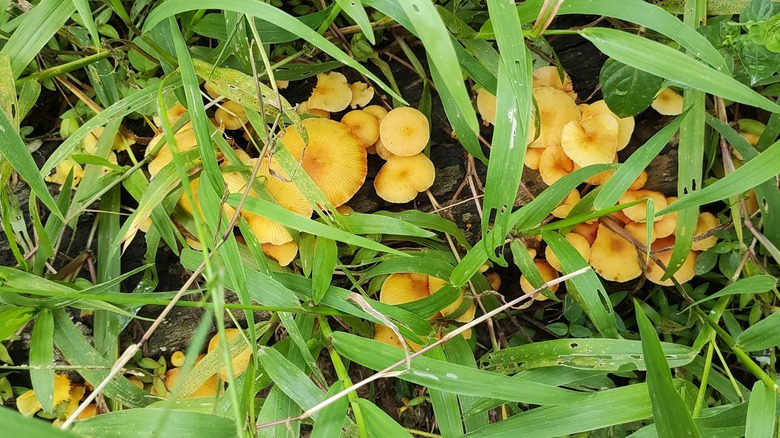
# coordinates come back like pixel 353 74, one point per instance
pixel 401 178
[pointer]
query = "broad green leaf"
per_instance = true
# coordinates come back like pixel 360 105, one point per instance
pixel 628 91
pixel 265 12
pixel 625 175
pixel 763 168
pixel 602 409
pixel 146 422
pixel 331 418
pixel 15 151
pixel 670 414
pixel 761 416
pixel 450 377
pixel 290 379
pixel 671 64
pixel 42 356
pixel 586 289
pixel 751 285
pixel 35 30
pixel 379 423
pixel 763 334
pixel 514 103
pixel 15 424
pixel 617 355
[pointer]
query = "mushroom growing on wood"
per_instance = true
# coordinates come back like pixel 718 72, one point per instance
pixel 404 131
pixel 362 93
pixel 613 257
pixel 362 124
pixel 592 140
pixel 332 92
pixel 556 109
pixel 548 76
pixel 668 103
pixel 402 178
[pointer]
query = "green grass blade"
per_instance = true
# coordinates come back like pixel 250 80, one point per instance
pixel 146 422
pixel 360 223
pixel 15 151
pixel 325 260
pixel 431 30
pixel 85 12
pixel 42 355
pixel 763 168
pixel 763 334
pixel 617 185
pixel 14 424
pixel 671 416
pixel 761 416
pixel 265 12
pixel 673 65
pixel 354 8
pixel 514 104
pixel 429 220
pixel 379 423
pixel 36 29
pixel 603 409
pixel 586 289
pixel 459 352
pixel 331 418
pixel 290 378
pixel 445 404
pixel 450 377
pixel 756 284
pixel 586 354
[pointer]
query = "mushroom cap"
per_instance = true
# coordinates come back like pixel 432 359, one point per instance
pixel 639 182
pixel 362 124
pixel 532 157
pixel 362 93
pixel 667 224
pixel 494 280
pixel 563 209
pixel 303 108
pixel 683 275
pixel 401 178
pixel 578 242
pixel 613 257
pixel 240 360
pixel 28 405
pixel 638 212
pixel 705 223
pixel 668 103
pixel 405 131
pixel 486 104
pixel 385 335
pixel 400 288
pixel 332 92
pixel 210 388
pixel 284 254
pixel 334 158
pixel 382 151
pixel 548 273
pixel 62 170
pixel 638 230
pixel 554 164
pixel 625 124
pixel 435 284
pixel 377 111
pixel 587 230
pixel 548 77
pixel 177 358
pixel 592 140
pixel 184 201
pixel 185 140
pixel 231 115
pixel 556 109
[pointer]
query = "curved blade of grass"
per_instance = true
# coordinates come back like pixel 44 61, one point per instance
pixel 449 377
pixel 354 8
pixel 586 289
pixel 526 217
pixel 634 165
pixel 763 168
pixel 42 355
pixel 360 223
pixel 618 355
pixel 77 351
pixel 751 285
pixel 761 416
pixel 429 220
pixel 647 15
pixel 431 30
pixel 602 409
pixel 36 29
pixel 264 12
pixel 514 104
pixel 763 334
pixel 378 423
pixel 289 219
pixel 670 414
pixel 671 64
pixel 145 422
pixel 290 379
pixel 15 424
pixel 15 151
pixel 431 263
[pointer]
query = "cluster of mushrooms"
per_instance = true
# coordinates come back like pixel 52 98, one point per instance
pixel 574 135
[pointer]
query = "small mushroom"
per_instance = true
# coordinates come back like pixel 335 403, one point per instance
pixel 548 274
pixel 554 164
pixel 704 224
pixel 404 131
pixel 549 76
pixel 578 242
pixel 231 115
pixel 613 257
pixel 668 103
pixel 625 124
pixel 592 140
pixel 563 209
pixel 284 254
pixel 62 170
pixel 362 93
pixel 638 212
pixel 401 178
pixel 556 109
pixel 210 388
pixel 332 92
pixel 486 105
pixel 303 108
pixel 28 404
pixel 240 360
pixel 683 275
pixel 362 124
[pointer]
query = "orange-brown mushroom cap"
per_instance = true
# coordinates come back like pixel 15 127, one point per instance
pixel 332 92
pixel 592 140
pixel 362 124
pixel 334 158
pixel 638 212
pixel 668 103
pixel 402 178
pixel 240 360
pixel 625 124
pixel 556 109
pixel 404 131
pixel 554 164
pixel 683 275
pixel 486 104
pixel 578 242
pixel 548 273
pixel 548 77
pixel 705 223
pixel 400 288
pixel 284 254
pixel 613 257
pixel 362 93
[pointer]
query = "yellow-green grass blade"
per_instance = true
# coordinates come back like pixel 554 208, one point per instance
pixel 355 10
pixel 145 422
pixel 42 355
pixel 379 423
pixel 670 414
pixel 14 424
pixel 445 404
pixel 761 416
